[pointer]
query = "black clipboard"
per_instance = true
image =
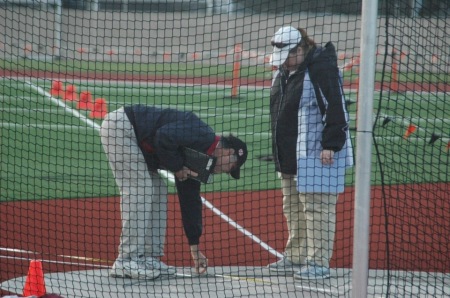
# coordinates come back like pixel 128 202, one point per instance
pixel 201 163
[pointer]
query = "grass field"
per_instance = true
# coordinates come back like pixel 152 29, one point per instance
pixel 48 151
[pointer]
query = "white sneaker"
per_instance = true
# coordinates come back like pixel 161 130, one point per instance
pixel 284 265
pixel 136 268
pixel 156 264
pixel 313 271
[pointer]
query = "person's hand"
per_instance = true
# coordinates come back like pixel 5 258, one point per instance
pixel 200 261
pixel 326 157
pixel 185 174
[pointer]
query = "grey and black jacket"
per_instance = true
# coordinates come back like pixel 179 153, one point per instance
pixel 287 91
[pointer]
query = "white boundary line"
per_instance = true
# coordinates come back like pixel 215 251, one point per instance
pixel 42 126
pixel 58 262
pixel 22 251
pixel 164 173
pixel 63 105
pixel 215 86
pixel 227 219
pixel 241 229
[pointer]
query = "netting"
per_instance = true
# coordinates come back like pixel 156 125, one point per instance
pixel 69 177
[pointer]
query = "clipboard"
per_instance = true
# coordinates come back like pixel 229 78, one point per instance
pixel 200 163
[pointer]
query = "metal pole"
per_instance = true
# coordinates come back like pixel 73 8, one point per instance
pixel 364 148
pixel 57 34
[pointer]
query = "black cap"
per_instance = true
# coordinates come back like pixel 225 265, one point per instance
pixel 240 150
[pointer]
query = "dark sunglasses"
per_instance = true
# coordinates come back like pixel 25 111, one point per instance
pixel 280 45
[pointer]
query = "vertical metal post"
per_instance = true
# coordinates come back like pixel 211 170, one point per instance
pixel 57 33
pixel 364 148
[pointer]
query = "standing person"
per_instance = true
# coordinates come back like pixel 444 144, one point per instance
pixel 139 140
pixel 309 120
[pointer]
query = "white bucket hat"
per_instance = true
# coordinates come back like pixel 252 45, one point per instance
pixel 284 40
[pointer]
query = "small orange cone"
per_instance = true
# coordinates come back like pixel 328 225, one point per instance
pixel 100 109
pixel 167 56
pixel 28 49
pixel 34 284
pixel 85 102
pixel 57 89
pixel 70 94
pixel 411 129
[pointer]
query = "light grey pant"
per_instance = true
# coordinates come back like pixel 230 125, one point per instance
pixel 311 221
pixel 143 193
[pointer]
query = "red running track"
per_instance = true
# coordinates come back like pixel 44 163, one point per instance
pixel 417 228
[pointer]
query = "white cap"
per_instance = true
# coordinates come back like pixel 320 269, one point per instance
pixel 284 40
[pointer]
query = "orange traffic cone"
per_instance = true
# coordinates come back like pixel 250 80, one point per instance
pixel 411 129
pixel 100 109
pixel 57 89
pixel 85 102
pixel 34 284
pixel 70 93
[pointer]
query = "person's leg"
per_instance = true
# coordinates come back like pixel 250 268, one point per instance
pixel 133 179
pixel 295 250
pixel 293 210
pixel 156 230
pixel 320 210
pixel 136 188
pixel 320 221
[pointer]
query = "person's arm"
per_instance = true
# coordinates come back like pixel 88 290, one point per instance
pixel 185 174
pixel 191 213
pixel 335 129
pixel 326 157
pixel 200 261
pixel 329 92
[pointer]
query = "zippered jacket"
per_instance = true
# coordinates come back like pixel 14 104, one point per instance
pixel 161 135
pixel 286 95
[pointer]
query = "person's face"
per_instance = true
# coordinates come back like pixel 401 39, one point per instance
pixel 226 162
pixel 294 59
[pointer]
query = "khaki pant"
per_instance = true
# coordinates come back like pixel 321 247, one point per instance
pixel 143 193
pixel 311 220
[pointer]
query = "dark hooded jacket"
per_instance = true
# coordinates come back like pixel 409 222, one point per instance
pixel 285 96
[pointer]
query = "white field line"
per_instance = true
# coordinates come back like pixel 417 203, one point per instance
pixel 243 278
pixel 57 262
pixel 21 251
pixel 237 113
pixel 204 201
pixel 63 105
pixel 24 110
pixel 137 84
pixel 315 289
pixel 241 229
pixel 41 126
pixel 191 107
pixel 261 135
pixel 147 84
pixel 228 220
